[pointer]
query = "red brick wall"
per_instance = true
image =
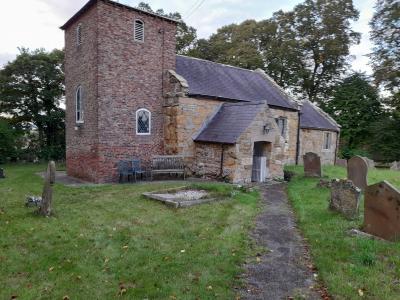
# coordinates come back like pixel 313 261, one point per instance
pixel 81 69
pixel 129 76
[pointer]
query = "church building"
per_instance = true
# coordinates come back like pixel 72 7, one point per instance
pixel 129 95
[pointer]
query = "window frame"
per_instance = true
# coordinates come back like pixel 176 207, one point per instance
pixel 284 129
pixel 327 145
pixel 134 31
pixel 78 35
pixel 137 121
pixel 79 120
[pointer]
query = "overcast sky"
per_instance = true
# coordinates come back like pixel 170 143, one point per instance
pixel 35 23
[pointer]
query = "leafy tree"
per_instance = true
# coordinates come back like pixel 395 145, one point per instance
pixel 31 90
pixel 185 35
pixel 355 105
pixel 305 50
pixel 385 57
pixel 8 138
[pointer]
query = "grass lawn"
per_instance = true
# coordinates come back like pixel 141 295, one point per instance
pixel 105 242
pixel 350 267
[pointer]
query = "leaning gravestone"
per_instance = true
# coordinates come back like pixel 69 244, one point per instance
pixel 382 211
pixel 341 162
pixel 312 165
pixel 357 171
pixel 395 166
pixel 47 195
pixel 2 173
pixel 345 198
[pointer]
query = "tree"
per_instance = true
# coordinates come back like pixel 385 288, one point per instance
pixel 31 90
pixel 355 105
pixel 185 35
pixel 8 138
pixel 305 50
pixel 385 57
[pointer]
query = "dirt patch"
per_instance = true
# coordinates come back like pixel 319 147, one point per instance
pixel 285 270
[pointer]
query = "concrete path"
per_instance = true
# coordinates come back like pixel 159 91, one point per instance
pixel 281 272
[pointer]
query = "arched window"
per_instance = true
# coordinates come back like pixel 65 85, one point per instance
pixel 138 31
pixel 143 122
pixel 79 35
pixel 79 105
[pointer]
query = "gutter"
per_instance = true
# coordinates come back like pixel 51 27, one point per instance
pixel 298 138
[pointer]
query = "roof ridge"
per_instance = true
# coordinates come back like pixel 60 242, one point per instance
pixel 217 63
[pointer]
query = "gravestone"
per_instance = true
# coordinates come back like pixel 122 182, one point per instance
pixel 357 171
pixel 370 162
pixel 382 211
pixel 345 198
pixel 2 173
pixel 395 166
pixel 312 165
pixel 47 195
pixel 341 162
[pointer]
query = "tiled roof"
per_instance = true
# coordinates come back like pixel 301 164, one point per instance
pixel 206 78
pixel 313 117
pixel 229 122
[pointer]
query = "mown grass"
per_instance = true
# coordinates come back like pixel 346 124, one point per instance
pixel 351 267
pixel 107 242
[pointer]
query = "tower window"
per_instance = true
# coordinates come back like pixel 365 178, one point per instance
pixel 138 31
pixel 79 105
pixel 79 35
pixel 143 122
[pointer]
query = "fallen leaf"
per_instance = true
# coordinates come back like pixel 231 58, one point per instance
pixel 209 287
pixel 66 297
pixel 106 260
pixel 360 292
pixel 258 259
pixel 183 251
pixel 125 247
pixel 51 269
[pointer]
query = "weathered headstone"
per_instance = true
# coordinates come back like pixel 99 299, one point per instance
pixel 382 211
pixel 357 171
pixel 312 165
pixel 395 166
pixel 341 162
pixel 345 198
pixel 2 175
pixel 47 195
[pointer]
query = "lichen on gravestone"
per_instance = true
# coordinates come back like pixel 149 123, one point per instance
pixel 345 198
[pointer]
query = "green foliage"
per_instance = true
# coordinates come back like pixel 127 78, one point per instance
pixel 103 238
pixel 31 91
pixel 355 105
pixel 305 49
pixel 185 35
pixel 8 141
pixel 385 57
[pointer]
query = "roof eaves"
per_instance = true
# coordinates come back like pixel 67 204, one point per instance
pixel 89 4
pixel 318 128
pixel 326 115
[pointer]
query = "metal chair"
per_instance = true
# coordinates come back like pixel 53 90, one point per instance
pixel 124 170
pixel 137 168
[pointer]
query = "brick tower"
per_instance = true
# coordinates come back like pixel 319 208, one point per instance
pixel 115 58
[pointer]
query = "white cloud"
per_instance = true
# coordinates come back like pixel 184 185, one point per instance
pixel 35 23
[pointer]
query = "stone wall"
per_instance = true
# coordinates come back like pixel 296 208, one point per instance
pixel 291 132
pixel 313 141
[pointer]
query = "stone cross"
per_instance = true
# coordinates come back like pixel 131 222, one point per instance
pixel 357 171
pixel 47 195
pixel 345 198
pixel 382 211
pixel 312 165
pixel 2 173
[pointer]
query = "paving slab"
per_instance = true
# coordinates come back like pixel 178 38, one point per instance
pixel 283 272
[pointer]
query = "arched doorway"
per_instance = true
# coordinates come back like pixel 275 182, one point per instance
pixel 261 158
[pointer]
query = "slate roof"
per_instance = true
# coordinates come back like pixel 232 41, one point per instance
pixel 313 118
pixel 206 78
pixel 229 123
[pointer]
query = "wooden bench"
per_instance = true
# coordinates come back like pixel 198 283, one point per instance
pixel 168 164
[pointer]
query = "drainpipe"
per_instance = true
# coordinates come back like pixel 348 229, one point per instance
pixel 221 170
pixel 337 147
pixel 298 139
